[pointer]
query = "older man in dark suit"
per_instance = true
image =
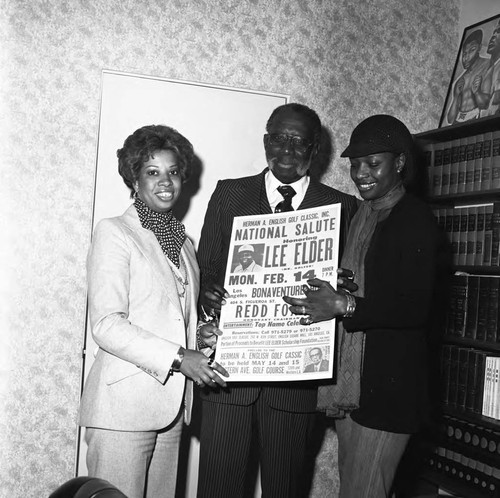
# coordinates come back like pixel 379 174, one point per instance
pixel 278 415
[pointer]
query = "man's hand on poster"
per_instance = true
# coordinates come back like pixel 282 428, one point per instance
pixel 323 302
pixel 208 333
pixel 212 298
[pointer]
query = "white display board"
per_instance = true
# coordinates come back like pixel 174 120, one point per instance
pixel 226 127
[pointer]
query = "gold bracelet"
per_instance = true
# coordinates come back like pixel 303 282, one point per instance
pixel 351 305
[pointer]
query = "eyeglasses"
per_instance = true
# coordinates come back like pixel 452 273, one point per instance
pixel 298 143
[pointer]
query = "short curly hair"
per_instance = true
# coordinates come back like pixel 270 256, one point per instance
pixel 139 147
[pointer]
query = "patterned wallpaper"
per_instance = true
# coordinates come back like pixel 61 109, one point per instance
pixel 345 59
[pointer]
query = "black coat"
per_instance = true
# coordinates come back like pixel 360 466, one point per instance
pixel 401 270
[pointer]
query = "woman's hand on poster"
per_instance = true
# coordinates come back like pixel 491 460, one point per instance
pixel 322 302
pixel 204 371
pixel 345 280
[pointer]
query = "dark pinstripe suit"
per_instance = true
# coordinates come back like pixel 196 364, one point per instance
pixel 284 411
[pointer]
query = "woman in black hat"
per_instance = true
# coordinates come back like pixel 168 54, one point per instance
pixel 393 248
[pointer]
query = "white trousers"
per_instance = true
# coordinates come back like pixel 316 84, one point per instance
pixel 140 464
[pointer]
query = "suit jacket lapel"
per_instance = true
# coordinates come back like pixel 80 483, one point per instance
pixel 193 277
pixel 146 242
pixel 311 198
pixel 250 196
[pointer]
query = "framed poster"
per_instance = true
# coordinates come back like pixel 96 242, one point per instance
pixel 474 90
pixel 226 127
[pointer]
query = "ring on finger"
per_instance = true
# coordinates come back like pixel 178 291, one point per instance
pixel 303 310
pixel 210 361
pixel 307 320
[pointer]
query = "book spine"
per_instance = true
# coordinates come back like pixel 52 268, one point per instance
pixel 482 312
pixel 488 234
pixel 478 162
pixel 480 358
pixel 455 235
pixel 471 236
pixel 472 380
pixel 445 373
pixel 456 166
pixel 463 371
pixel 462 165
pixel 455 160
pixel 488 373
pixel 463 236
pixel 492 318
pixel 438 169
pixel 428 157
pixel 445 176
pixel 479 253
pixel 454 369
pixel 469 164
pixel 495 160
pixel 486 163
pixel 495 410
pixel 441 218
pixel 495 234
pixel 456 310
pixel 449 225
pixel 451 309
pixel 461 305
pixel 472 306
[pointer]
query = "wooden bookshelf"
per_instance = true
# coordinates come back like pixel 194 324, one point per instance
pixel 461 130
pixel 459 198
pixel 459 488
pixel 451 464
pixel 486 422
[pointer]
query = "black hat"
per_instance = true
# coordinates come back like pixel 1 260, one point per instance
pixel 379 133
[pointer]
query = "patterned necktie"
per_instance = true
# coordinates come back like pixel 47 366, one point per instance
pixel 286 204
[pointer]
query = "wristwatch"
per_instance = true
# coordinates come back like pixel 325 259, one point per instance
pixel 176 364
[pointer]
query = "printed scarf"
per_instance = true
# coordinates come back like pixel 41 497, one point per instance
pixel 169 231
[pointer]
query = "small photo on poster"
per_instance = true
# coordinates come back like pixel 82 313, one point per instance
pixel 247 258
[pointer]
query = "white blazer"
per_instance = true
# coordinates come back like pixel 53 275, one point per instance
pixel 138 323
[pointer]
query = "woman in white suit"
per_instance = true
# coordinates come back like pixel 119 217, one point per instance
pixel 143 283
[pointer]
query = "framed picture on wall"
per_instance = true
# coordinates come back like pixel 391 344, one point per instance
pixel 474 90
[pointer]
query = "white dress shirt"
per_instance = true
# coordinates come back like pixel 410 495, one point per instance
pixel 274 197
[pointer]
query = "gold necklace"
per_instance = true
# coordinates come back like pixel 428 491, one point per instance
pixel 182 281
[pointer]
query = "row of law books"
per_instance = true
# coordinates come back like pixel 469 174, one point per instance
pixel 469 452
pixel 473 310
pixel 469 164
pixel 473 232
pixel 471 439
pixel 438 461
pixel 470 380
